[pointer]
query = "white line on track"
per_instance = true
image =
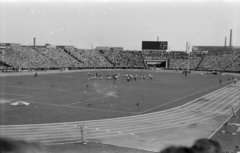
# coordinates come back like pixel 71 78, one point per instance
pixel 174 118
pixel 178 99
pixel 158 128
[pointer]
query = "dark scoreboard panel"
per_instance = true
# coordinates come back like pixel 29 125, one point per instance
pixel 154 45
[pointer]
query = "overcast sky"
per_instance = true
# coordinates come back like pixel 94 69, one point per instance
pixel 120 23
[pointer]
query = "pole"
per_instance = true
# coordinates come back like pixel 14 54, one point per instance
pixel 234 113
pixel 225 43
pixel 230 42
pixel 83 135
pixel 138 107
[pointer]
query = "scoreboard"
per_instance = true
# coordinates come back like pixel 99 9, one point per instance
pixel 154 45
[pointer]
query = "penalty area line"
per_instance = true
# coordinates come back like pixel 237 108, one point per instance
pixel 21 98
pixel 76 107
pixel 83 101
pixel 14 94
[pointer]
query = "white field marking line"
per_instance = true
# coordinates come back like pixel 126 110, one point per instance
pixel 169 125
pixel 81 122
pixel 149 114
pixel 143 130
pixel 154 128
pixel 66 141
pixel 50 143
pixel 149 130
pixel 61 105
pixel 136 125
pixel 24 87
pixel 165 120
pixel 57 136
pixel 74 91
pixel 215 106
pixel 167 117
pixel 49 88
pixel 14 94
pixel 147 118
pixel 21 98
pixel 4 101
pixel 176 119
pixel 40 87
pixel 222 124
pixel 210 98
pixel 234 99
pixel 185 97
pixel 181 98
pixel 83 101
pixel 213 101
pixel 131 121
pixel 66 106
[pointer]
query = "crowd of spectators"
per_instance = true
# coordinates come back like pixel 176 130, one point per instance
pixel 41 57
pixel 209 62
pixel 24 57
pixel 220 62
pixel 154 55
pixel 177 63
pixel 128 59
pixel 90 58
pixel 59 57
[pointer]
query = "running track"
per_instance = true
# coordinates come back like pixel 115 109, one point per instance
pixel 201 109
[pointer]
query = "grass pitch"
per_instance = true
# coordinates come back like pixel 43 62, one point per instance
pixel 63 97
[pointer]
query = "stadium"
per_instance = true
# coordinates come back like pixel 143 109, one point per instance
pixel 113 99
pixel 110 96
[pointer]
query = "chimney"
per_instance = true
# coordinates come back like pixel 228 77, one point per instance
pixel 157 38
pixel 186 47
pixel 225 44
pixel 230 41
pixel 34 42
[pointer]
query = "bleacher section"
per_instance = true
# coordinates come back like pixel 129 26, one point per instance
pixel 72 58
pixel 126 59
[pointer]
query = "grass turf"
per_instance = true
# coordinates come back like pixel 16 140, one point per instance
pixel 63 97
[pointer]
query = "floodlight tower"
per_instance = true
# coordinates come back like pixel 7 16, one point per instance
pixel 230 41
pixel 187 51
pixel 34 42
pixel 225 44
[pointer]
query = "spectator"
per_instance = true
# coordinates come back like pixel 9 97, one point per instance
pixel 206 146
pixel 19 146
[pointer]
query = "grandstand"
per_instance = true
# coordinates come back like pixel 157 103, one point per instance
pixel 27 58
